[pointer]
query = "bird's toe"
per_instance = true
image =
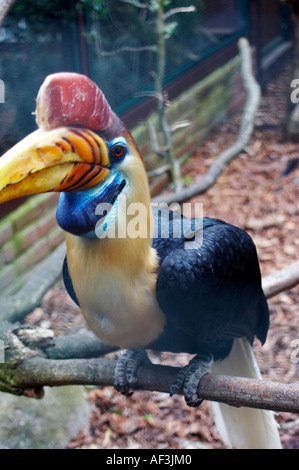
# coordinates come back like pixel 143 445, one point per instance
pixel 125 375
pixel 189 377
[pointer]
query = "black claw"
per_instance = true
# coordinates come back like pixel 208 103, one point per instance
pixel 189 377
pixel 120 383
pixel 177 385
pixel 125 375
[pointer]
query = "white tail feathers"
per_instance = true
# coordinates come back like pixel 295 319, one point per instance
pixel 244 428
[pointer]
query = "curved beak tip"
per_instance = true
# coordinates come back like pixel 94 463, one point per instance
pixel 63 159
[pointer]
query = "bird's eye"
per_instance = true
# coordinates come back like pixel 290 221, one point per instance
pixel 118 151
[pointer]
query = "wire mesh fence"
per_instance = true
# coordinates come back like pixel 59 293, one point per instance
pixel 120 49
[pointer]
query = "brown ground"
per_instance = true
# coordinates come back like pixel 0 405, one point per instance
pixel 252 194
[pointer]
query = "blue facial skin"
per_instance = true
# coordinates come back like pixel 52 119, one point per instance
pixel 76 210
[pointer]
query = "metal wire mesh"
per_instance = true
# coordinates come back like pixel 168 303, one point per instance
pixel 119 40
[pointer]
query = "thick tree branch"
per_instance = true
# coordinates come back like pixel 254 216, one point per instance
pixel 281 280
pixel 81 345
pixel 35 372
pixel 246 128
pixel 155 145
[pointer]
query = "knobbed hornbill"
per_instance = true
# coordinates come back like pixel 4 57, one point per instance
pixel 151 290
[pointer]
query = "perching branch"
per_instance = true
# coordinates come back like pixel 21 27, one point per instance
pixel 246 128
pixel 32 374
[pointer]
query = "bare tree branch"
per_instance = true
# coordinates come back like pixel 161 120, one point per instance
pixel 81 345
pixel 154 144
pixel 245 132
pixel 159 171
pixel 26 372
pixel 5 6
pixel 174 11
pixel 35 372
pixel 281 280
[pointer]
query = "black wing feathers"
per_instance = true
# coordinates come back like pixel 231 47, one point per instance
pixel 211 294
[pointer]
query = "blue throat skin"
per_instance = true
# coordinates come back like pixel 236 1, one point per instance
pixel 76 211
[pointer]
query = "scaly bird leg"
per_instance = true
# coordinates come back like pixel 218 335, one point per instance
pixel 189 377
pixel 125 375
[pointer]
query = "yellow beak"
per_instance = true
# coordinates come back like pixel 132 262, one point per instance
pixel 63 159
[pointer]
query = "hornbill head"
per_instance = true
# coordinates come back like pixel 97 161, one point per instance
pixel 81 149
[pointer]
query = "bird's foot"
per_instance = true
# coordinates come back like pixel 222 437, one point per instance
pixel 189 377
pixel 125 375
